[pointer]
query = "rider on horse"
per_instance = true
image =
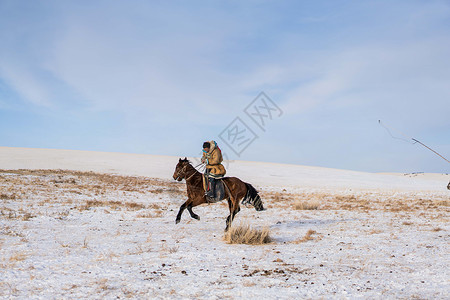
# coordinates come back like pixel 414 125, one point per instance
pixel 212 157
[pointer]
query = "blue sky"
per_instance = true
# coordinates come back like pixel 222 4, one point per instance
pixel 160 77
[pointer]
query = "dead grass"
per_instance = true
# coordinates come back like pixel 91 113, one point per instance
pixel 102 284
pixel 27 216
pixel 245 234
pixel 62 244
pixel 168 249
pixel 16 214
pixel 306 205
pixel 107 256
pixel 60 193
pixel 134 205
pixel 173 249
pixel 4 196
pixel 359 201
pixel 308 237
pixel 116 205
pixel 6 289
pixel 49 187
pixel 87 190
pixel 87 182
pixel 249 283
pixel 154 206
pixel 375 231
pixel 18 257
pixel 155 214
pixel 445 203
pixel 85 243
pixel 8 230
pixel 346 198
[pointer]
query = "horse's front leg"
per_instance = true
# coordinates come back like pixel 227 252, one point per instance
pixel 180 212
pixel 193 215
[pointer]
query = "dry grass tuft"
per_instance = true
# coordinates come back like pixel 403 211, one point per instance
pixel 307 237
pixel 344 198
pixel 112 204
pixel 134 205
pixel 173 249
pixel 5 196
pixel 27 216
pixel 154 206
pixel 8 230
pixel 306 205
pixel 19 214
pixel 244 234
pixel 156 214
pixel 85 243
pixel 442 203
pixel 102 284
pixel 375 231
pixel 19 256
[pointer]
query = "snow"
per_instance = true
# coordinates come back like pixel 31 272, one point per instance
pixel 377 235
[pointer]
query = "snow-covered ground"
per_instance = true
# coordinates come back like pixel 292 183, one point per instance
pixel 109 234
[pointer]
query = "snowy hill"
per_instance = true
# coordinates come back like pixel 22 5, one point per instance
pixel 92 225
pixel 260 173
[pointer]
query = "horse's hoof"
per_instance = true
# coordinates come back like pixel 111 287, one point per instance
pixel 177 221
pixel 197 218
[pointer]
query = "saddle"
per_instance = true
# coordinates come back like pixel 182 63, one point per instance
pixel 214 188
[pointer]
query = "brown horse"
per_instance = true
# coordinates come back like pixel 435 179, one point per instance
pixel 235 190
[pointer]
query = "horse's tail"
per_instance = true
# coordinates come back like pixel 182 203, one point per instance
pixel 252 197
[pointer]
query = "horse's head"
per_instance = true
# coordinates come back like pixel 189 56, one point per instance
pixel 180 169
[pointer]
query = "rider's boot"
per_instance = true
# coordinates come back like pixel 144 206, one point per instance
pixel 212 188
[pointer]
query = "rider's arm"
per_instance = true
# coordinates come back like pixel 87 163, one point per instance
pixel 204 157
pixel 214 159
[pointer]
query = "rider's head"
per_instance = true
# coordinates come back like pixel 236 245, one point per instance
pixel 206 146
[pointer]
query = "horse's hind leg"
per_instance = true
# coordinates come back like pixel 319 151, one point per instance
pixel 230 218
pixel 180 212
pixel 193 215
pixel 227 222
pixel 234 209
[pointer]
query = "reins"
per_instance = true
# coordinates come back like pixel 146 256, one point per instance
pixel 193 173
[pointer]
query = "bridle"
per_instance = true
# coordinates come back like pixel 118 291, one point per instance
pixel 184 170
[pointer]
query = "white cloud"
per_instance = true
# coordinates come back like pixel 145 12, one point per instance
pixel 25 82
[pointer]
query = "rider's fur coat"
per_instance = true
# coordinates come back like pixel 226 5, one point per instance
pixel 213 159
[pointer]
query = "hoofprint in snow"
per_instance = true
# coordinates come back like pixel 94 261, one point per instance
pixel 336 233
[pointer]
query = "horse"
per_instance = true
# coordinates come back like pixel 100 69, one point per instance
pixel 235 190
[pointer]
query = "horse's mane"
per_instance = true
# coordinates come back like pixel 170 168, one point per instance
pixel 186 160
pixel 189 163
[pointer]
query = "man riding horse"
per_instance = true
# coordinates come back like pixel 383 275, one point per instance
pixel 212 157
pixel 231 189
